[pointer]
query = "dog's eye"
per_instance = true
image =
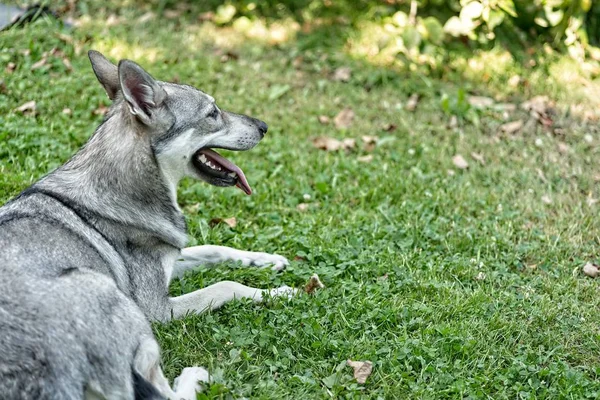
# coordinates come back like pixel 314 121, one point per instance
pixel 214 113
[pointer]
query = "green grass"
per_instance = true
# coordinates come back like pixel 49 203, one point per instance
pixel 399 242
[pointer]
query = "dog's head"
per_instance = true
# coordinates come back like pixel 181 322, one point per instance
pixel 183 124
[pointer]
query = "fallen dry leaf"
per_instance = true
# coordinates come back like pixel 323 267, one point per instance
pixel 362 370
pixel 591 270
pixel 313 284
pixel 147 17
pixel 231 222
pixel 348 144
pixel 66 111
pixel 453 123
pixel 302 207
pixel 460 162
pixel 478 157
pixel 541 109
pixel 27 108
pixel 413 101
pixel 514 80
pixel 10 67
pixel 43 61
pixel 563 148
pixel 365 159
pixel 67 63
pixel 369 139
pixel 511 127
pixel 342 74
pixel 546 199
pixel 344 119
pixel 506 107
pixel 324 119
pixel 590 201
pixel 101 110
pixel 206 16
pixel 480 101
pixel 389 127
pixel 331 144
pixel 370 142
pixel 172 14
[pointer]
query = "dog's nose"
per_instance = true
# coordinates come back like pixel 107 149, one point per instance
pixel 262 127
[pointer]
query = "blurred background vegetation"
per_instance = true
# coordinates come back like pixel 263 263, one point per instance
pixel 416 33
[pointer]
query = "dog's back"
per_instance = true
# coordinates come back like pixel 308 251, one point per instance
pixel 58 337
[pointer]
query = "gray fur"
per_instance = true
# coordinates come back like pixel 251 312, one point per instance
pixel 87 252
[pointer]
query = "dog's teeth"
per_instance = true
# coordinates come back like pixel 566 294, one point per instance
pixel 202 158
pixel 232 174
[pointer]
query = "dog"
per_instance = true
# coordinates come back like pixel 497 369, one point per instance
pixel 88 251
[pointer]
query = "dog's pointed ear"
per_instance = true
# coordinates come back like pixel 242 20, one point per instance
pixel 106 72
pixel 141 91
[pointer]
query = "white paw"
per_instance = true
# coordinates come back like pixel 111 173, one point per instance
pixel 284 291
pixel 263 259
pixel 188 384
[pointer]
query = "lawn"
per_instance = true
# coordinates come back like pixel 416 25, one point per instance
pixel 454 282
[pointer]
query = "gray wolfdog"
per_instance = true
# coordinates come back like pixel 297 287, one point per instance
pixel 87 252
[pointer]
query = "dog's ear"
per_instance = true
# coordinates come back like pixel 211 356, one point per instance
pixel 106 72
pixel 142 93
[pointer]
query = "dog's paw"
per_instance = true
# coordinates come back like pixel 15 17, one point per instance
pixel 284 291
pixel 264 259
pixel 189 382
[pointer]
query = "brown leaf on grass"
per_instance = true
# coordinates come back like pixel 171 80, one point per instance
pixel 541 109
pixel 27 108
pixel 453 122
pixel 362 370
pixel 314 283
pixel 389 127
pixel 331 144
pixel 365 159
pixel 101 110
pixel 342 74
pixel 348 144
pixel 67 63
pixel 302 207
pixel 505 107
pixel 172 14
pixel 370 142
pixel 478 157
pixel 511 127
pixel 460 162
pixel 344 119
pixel 413 101
pixel 324 119
pixel 231 222
pixel 10 67
pixel 591 270
pixel 206 16
pixel 480 101
pixel 563 148
pixel 546 199
pixel 147 17
pixel 43 61
pixel 367 139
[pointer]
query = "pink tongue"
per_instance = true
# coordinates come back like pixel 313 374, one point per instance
pixel 242 183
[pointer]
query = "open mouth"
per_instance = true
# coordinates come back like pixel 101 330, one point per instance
pixel 226 173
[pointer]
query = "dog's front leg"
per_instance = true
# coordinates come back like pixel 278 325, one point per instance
pixel 207 255
pixel 214 296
